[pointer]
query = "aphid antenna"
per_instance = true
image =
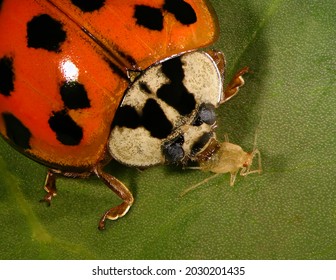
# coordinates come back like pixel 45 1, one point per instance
pixel 193 187
pixel 255 152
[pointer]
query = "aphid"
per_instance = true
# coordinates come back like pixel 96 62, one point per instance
pixel 228 158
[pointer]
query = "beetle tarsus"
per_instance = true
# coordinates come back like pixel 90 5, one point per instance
pixel 114 213
pixel 233 87
pixel 118 188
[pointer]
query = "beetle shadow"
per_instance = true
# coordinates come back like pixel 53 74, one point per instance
pixel 237 117
pixel 20 171
pixel 242 117
pixel 244 44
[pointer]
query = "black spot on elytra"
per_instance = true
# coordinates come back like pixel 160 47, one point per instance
pixel 45 32
pixel 0 4
pixel 149 17
pixel 183 12
pixel 205 114
pixel 89 5
pixel 6 76
pixel 201 142
pixel 74 95
pixel 175 93
pixel 172 150
pixel 151 118
pixel 68 132
pixel 16 131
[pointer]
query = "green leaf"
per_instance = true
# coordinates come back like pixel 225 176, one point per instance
pixel 288 212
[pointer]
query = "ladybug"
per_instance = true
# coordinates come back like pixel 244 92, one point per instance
pixel 84 82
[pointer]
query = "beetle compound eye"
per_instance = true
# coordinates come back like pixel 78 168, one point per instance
pixel 173 150
pixel 206 114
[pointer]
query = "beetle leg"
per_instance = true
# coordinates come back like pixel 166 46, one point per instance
pixel 236 82
pixel 50 187
pixel 219 59
pixel 233 87
pixel 119 189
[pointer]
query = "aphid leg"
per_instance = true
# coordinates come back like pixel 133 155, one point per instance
pixel 246 171
pixel 193 167
pixel 233 87
pixel 50 187
pixel 226 137
pixel 233 177
pixel 120 190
